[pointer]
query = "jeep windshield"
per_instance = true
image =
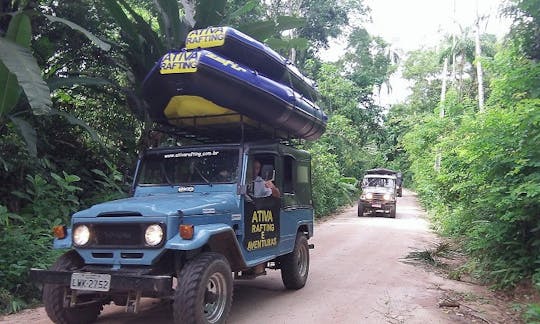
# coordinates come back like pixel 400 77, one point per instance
pixel 379 182
pixel 189 167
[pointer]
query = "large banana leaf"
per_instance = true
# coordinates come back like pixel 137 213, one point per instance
pixel 209 12
pixel 266 29
pixel 286 44
pixel 170 23
pixel 28 133
pixel 20 32
pixel 245 9
pixel 289 22
pixel 76 121
pixel 19 61
pixel 122 20
pixel 9 91
pixel 98 42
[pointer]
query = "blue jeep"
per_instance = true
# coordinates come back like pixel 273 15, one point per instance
pixel 192 225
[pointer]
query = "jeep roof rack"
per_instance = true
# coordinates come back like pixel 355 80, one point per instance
pixel 194 130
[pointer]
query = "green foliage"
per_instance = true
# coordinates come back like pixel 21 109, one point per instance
pixel 21 67
pixel 526 27
pixel 42 194
pixel 532 315
pixel 50 201
pixel 109 186
pixel 325 180
pixel 486 189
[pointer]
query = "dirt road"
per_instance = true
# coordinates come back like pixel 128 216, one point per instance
pixel 357 275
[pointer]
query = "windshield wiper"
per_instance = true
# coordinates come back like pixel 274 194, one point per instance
pixel 200 174
pixel 165 175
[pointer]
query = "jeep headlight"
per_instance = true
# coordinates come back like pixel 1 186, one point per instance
pixel 369 195
pixel 153 235
pixel 387 196
pixel 81 235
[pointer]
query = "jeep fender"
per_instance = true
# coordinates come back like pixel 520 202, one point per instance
pixel 218 238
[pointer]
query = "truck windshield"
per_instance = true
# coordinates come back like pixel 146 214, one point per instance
pixel 379 182
pixel 189 167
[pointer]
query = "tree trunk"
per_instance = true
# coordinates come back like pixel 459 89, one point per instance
pixel 479 67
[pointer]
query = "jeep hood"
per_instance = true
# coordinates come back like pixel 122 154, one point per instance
pixel 166 204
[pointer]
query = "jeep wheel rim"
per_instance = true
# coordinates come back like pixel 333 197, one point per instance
pixel 302 260
pixel 215 297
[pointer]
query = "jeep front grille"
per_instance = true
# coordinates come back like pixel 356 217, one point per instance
pixel 118 235
pixel 378 196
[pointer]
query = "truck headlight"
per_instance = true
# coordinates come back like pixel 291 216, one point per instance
pixel 369 195
pixel 387 196
pixel 81 235
pixel 153 235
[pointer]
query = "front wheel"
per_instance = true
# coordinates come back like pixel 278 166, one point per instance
pixel 393 212
pixel 295 265
pixel 360 209
pixel 53 296
pixel 204 291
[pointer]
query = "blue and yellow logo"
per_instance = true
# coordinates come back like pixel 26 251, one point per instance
pixel 181 62
pixel 205 38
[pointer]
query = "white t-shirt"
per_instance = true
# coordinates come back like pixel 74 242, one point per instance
pixel 259 188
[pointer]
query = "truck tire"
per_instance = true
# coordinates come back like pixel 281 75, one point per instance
pixel 295 265
pixel 360 210
pixel 53 295
pixel 205 290
pixel 393 212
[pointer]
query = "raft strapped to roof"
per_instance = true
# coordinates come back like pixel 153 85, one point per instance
pixel 241 48
pixel 202 90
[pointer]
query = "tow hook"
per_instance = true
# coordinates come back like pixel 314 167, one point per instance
pixel 133 301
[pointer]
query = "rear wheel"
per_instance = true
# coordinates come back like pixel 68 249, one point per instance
pixel 295 265
pixel 204 291
pixel 53 296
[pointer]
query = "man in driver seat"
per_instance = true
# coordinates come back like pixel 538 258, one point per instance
pixel 262 188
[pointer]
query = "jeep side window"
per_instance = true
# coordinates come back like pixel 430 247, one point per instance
pixel 261 176
pixel 302 184
pixel 288 181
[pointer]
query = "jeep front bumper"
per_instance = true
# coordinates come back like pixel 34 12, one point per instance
pixel 120 282
pixel 377 205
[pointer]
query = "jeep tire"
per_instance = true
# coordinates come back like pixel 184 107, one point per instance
pixel 393 211
pixel 53 295
pixel 204 291
pixel 360 209
pixel 295 265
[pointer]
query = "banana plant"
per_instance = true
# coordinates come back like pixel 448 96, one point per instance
pixel 20 74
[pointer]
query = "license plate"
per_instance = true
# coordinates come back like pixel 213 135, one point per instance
pixel 376 205
pixel 90 281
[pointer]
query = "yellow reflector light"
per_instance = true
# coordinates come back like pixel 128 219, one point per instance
pixel 59 231
pixel 186 231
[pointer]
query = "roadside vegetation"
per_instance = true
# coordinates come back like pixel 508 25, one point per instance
pixel 477 169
